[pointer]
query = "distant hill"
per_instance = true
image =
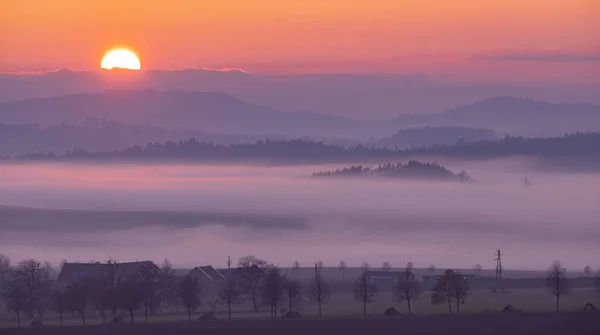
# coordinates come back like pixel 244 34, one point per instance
pixel 358 96
pixel 429 136
pixel 212 112
pixel 517 116
pixel 206 111
pixel 411 170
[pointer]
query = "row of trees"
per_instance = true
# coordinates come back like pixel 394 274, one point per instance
pixel 570 145
pixel 27 288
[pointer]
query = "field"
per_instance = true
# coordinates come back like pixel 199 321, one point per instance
pixel 580 323
pixel 343 305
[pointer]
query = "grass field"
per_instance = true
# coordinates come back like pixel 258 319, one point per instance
pixel 579 323
pixel 344 305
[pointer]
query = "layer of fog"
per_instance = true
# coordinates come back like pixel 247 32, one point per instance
pixel 200 214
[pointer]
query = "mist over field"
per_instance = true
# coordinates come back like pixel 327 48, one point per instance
pixel 200 214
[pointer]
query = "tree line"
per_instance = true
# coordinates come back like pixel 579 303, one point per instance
pixel 28 289
pixel 569 145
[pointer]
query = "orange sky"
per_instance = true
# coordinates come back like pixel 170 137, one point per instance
pixel 45 34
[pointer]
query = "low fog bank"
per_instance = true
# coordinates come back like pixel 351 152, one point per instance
pixel 197 214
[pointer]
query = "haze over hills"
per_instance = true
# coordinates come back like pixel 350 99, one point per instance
pixel 207 111
pixel 357 96
pixel 428 136
pixel 213 112
pixel 517 116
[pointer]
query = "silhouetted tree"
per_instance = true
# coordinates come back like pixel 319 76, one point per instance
pixel 132 295
pixel 477 268
pixel 460 290
pixel 296 269
pixel 166 285
pixel 230 294
pixel 365 290
pixel 292 289
pixel 442 290
pixel 59 304
pixel 318 290
pixel 271 289
pixel 4 270
pixel 557 282
pixel 587 270
pixel 150 282
pixel 34 277
pixel 80 295
pixel 342 268
pixel 251 271
pixel 16 298
pixel 408 287
pixel 598 282
pixel 386 267
pixel 189 295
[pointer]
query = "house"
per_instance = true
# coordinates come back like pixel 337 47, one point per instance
pixel 114 272
pixel 209 279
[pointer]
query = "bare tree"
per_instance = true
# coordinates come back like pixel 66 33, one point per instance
pixel 166 285
pixel 442 290
pixel 230 294
pixel 292 290
pixel 460 290
pixel 477 268
pixel 386 267
pixel 34 278
pixel 4 269
pixel 59 304
pixel 365 290
pixel 189 295
pixel 587 270
pixel 598 282
pixel 557 282
pixel 16 298
pixel 80 295
pixel 318 290
pixel 271 290
pixel 431 269
pixel 365 267
pixel 296 269
pixel 408 287
pixel 342 268
pixel 251 271
pixel 131 296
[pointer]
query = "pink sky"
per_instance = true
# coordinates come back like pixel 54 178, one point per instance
pixel 439 37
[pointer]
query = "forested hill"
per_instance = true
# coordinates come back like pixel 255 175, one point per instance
pixel 586 145
pixel 411 170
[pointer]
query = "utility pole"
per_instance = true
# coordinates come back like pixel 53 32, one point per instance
pixel 498 260
pixel 229 262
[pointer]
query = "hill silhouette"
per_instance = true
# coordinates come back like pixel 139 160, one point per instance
pixel 207 111
pixel 517 116
pixel 358 96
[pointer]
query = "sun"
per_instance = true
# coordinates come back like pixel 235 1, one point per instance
pixel 120 59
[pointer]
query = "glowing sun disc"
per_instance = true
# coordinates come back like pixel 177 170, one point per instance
pixel 121 59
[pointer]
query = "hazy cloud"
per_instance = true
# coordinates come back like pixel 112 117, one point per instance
pixel 545 57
